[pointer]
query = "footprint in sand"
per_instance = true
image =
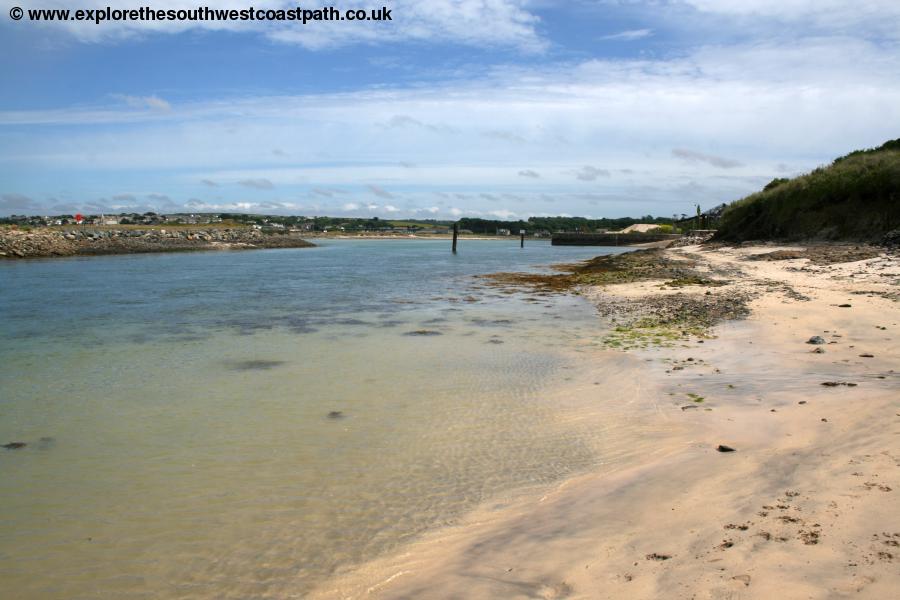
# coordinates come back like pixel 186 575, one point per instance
pixel 555 592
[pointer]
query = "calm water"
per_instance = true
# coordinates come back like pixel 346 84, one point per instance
pixel 176 409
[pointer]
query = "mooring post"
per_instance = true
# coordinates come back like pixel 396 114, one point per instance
pixel 521 238
pixel 455 235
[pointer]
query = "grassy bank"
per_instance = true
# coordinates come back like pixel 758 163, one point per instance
pixel 857 198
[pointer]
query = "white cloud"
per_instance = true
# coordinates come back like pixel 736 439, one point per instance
pixel 149 102
pixel 826 12
pixel 757 104
pixel 503 23
pixel 504 136
pixel 693 156
pixel 380 192
pixel 628 35
pixel 260 183
pixel 13 202
pixel 589 173
pixel 796 19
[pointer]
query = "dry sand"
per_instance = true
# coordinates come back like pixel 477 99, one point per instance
pixel 808 506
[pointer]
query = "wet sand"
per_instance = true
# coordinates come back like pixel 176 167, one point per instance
pixel 805 506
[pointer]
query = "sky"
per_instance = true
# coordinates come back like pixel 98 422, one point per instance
pixel 499 109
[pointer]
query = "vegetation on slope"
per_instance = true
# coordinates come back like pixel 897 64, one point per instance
pixel 857 197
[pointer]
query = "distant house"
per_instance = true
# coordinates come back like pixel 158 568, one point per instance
pixel 503 232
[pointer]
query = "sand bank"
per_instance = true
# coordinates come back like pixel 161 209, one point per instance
pixel 805 507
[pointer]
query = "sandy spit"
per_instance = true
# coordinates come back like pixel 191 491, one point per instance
pixel 807 506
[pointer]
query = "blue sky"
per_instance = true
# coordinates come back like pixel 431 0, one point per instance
pixel 492 108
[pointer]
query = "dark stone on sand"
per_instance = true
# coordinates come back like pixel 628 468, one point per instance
pixel 336 414
pixel 657 556
pixel 255 365
pixel 844 305
pixel 837 383
pixel 687 406
pixel 867 355
pixel 15 445
pixel 495 341
pixel 816 339
pixel 802 402
pixel 425 332
pixel 818 351
pixel 724 448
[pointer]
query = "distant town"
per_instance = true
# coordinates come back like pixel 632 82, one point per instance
pixel 534 226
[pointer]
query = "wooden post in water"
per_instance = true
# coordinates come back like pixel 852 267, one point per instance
pixel 521 238
pixel 455 235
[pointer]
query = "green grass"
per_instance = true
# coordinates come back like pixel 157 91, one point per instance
pixel 412 224
pixel 648 334
pixel 856 198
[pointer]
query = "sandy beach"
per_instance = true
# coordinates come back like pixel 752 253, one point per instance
pixel 805 506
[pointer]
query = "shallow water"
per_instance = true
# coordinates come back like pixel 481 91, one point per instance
pixel 244 424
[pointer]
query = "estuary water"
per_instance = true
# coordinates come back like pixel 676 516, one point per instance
pixel 248 424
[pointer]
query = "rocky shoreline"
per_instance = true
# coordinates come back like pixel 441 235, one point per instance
pixel 81 241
